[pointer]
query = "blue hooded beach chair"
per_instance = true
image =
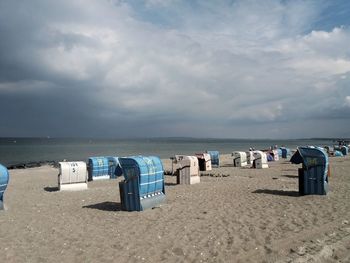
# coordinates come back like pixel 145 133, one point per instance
pixel 114 168
pixel 344 150
pixel 279 150
pixel 313 176
pixel 215 158
pixel 285 152
pixel 4 180
pixel 338 154
pixel 98 168
pixel 143 186
pixel 269 157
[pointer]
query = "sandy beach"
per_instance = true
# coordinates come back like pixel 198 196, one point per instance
pixel 233 215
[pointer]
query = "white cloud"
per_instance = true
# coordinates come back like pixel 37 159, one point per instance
pixel 319 65
pixel 159 3
pixel 347 101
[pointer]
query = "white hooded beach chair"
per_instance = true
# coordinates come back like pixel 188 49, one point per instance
pixel 187 169
pixel 239 159
pixel 275 155
pixel 250 157
pixel 260 161
pixel 72 176
pixel 204 161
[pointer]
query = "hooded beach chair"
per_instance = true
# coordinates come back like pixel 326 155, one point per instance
pixel 98 168
pixel 187 169
pixel 215 158
pixel 344 150
pixel 275 154
pixel 260 160
pixel 114 168
pixel 279 150
pixel 143 186
pixel 269 157
pixel 239 159
pixel 338 154
pixel 204 161
pixel 285 152
pixel 72 176
pixel 250 157
pixel 4 180
pixel 313 176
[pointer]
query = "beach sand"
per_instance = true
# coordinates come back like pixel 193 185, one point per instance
pixel 237 215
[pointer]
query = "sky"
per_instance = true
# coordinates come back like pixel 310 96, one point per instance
pixel 174 68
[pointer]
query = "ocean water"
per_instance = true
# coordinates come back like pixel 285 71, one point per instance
pixel 24 150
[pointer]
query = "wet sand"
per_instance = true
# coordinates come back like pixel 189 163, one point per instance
pixel 233 215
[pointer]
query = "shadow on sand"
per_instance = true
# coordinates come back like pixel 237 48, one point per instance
pixel 227 165
pixel 290 176
pixel 51 188
pixel 277 192
pixel 289 170
pixel 170 184
pixel 106 206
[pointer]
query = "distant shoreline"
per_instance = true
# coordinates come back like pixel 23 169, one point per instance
pixel 11 138
pixel 20 153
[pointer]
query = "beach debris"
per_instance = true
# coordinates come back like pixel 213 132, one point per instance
pixel 178 251
pixel 345 222
pixel 167 172
pixel 32 165
pixel 300 251
pixel 268 249
pixel 215 175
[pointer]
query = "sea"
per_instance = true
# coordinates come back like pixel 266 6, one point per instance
pixel 15 151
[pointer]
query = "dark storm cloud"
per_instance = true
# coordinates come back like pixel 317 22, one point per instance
pixel 230 69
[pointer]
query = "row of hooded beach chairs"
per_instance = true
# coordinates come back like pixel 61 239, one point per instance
pixel 75 175
pixel 257 159
pixel 188 167
pixel 337 151
pixel 142 187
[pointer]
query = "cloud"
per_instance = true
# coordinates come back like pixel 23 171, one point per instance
pixel 347 101
pixel 170 68
pixel 159 3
